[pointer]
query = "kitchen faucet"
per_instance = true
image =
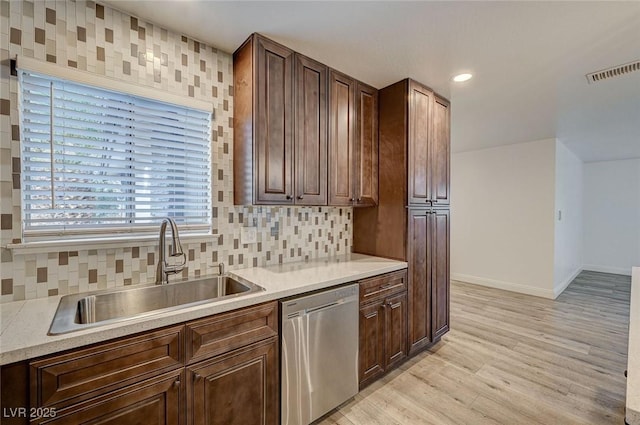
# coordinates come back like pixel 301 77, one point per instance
pixel 175 250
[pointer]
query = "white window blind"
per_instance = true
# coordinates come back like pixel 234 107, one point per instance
pixel 96 161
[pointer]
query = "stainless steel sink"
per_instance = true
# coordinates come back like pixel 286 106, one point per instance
pixel 82 311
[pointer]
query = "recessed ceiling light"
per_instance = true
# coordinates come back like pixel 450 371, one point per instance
pixel 462 77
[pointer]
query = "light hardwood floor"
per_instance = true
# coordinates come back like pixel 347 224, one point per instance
pixel 513 359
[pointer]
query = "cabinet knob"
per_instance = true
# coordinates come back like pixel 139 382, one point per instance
pixel 176 383
pixel 435 201
pixel 427 200
pixel 359 200
pixel 197 377
pixel 289 197
pixel 351 199
pixel 300 197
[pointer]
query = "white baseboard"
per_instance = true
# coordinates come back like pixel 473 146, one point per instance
pixel 557 290
pixel 606 269
pixel 507 286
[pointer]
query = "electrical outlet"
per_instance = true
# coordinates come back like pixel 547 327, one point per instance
pixel 248 235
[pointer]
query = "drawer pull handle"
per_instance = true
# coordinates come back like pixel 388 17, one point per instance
pixel 388 285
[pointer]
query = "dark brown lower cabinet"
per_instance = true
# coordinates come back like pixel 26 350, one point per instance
pixel 428 258
pixel 372 323
pixel 225 372
pixel 395 330
pixel 440 273
pixel 419 259
pixel 383 325
pixel 157 401
pixel 240 387
pixel 87 373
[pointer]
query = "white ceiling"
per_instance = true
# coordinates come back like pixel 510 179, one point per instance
pixel 528 59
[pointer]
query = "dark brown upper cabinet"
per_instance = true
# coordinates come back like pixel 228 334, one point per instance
pixel 342 89
pixel 353 142
pixel 263 123
pixel 419 143
pixel 366 145
pixel 440 154
pixel 303 135
pixel 414 162
pixel 428 142
pixel 311 131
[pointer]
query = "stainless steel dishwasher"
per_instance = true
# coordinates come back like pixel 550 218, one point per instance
pixel 319 357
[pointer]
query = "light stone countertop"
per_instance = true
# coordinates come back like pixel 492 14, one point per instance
pixel 632 413
pixel 24 324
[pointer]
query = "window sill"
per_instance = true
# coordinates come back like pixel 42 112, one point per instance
pixel 102 243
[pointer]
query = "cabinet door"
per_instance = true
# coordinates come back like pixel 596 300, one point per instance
pixel 420 102
pixel 157 401
pixel 274 131
pixel 395 330
pixel 311 132
pixel 440 271
pixel 418 257
pixel 237 388
pixel 366 146
pixel 440 153
pixel 341 139
pixel 372 322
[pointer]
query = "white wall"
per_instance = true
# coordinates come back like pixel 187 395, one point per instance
pixel 568 218
pixel 502 232
pixel 612 216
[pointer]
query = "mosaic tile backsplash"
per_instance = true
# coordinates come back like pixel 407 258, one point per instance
pixel 92 37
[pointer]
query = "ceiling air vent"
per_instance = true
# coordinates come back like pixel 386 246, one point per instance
pixel 613 72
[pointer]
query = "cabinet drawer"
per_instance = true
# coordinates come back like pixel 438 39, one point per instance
pixel 378 287
pixel 156 401
pixel 228 331
pixel 70 378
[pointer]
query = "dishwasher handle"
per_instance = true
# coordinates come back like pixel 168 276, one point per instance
pixel 323 307
pixel 310 310
pixel 305 305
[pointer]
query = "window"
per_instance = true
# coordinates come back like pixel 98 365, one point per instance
pixel 98 161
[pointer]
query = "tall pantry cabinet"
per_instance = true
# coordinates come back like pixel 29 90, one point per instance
pixel 411 221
